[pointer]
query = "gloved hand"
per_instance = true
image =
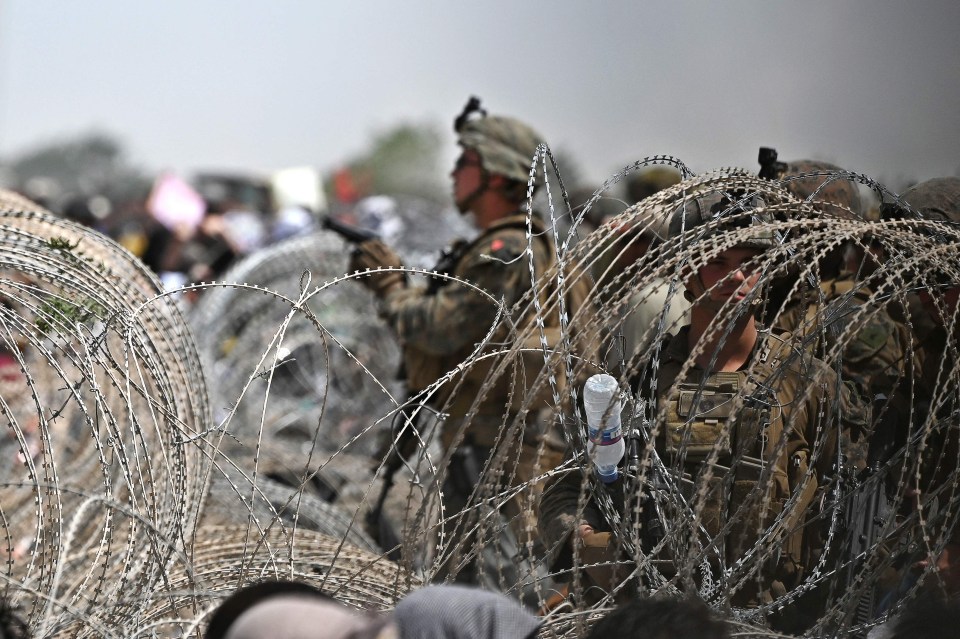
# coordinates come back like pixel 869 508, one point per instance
pixel 373 254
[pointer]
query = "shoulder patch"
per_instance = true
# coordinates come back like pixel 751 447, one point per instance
pixel 869 339
pixel 506 247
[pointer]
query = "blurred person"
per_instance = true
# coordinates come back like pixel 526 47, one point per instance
pixel 878 357
pixel 291 221
pixel 661 618
pixel 289 610
pixel 11 625
pixel 297 610
pixel 929 616
pixel 459 612
pixel 650 180
pixel 932 407
pixel 643 309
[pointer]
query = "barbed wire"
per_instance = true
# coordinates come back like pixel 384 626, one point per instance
pixel 156 464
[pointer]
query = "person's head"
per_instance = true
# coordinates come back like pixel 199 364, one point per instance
pixel 285 610
pixel 11 625
pixel 660 619
pixel 495 161
pixel 650 180
pixel 824 186
pixel 727 276
pixel 462 612
pixel 928 617
pixel 935 200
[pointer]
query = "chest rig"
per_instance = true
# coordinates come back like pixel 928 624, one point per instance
pixel 723 420
pixel 719 437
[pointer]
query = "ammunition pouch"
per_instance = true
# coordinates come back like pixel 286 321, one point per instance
pixel 721 424
pixel 701 418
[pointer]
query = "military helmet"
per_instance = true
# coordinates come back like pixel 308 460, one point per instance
pixel 729 210
pixel 506 146
pixel 651 180
pixel 835 190
pixel 936 199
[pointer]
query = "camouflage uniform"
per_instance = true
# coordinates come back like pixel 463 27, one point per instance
pixel 802 434
pixel 747 450
pixel 876 357
pixel 492 418
pixel 441 331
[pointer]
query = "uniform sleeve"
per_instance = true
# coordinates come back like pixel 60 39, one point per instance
pixel 458 316
pixel 558 518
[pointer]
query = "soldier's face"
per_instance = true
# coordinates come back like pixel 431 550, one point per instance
pixel 731 275
pixel 467 175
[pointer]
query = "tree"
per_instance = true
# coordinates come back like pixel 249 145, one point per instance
pixel 403 160
pixel 87 165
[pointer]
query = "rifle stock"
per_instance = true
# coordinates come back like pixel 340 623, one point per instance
pixel 352 234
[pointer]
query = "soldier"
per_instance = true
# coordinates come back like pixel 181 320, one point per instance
pixel 934 395
pixel 741 433
pixel 876 353
pixel 441 326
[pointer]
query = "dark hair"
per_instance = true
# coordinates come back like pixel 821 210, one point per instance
pixel 929 617
pixel 11 625
pixel 248 596
pixel 660 619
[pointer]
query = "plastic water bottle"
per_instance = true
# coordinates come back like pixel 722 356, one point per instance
pixel 601 397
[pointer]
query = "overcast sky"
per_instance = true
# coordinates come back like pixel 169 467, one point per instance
pixel 871 85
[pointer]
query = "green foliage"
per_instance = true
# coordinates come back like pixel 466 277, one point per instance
pixel 89 164
pixel 62 244
pixel 64 310
pixel 58 310
pixel 404 160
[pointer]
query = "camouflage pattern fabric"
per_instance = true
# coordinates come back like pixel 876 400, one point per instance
pixel 506 146
pixel 938 198
pixel 875 355
pixel 725 452
pixel 828 192
pixel 446 327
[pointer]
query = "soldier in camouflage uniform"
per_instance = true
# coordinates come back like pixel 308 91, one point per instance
pixel 876 357
pixel 937 200
pixel 441 326
pixel 739 427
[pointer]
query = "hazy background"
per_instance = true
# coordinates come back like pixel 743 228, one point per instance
pixel 872 86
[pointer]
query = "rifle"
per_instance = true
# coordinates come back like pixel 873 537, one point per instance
pixel 352 234
pixel 770 168
pixel 402 444
pixel 445 265
pixel 868 510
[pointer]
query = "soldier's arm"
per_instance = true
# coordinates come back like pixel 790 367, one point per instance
pixel 458 315
pixel 561 520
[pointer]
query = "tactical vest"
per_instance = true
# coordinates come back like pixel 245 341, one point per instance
pixel 514 388
pixel 721 434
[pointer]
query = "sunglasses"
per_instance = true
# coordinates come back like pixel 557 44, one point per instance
pixel 464 161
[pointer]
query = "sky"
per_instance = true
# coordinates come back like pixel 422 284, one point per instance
pixel 871 85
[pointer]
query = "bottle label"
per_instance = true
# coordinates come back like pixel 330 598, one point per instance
pixel 606 437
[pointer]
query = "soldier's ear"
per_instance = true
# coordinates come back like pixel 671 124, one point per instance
pixel 497 182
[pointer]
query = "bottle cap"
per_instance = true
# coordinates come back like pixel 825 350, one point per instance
pixel 608 475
